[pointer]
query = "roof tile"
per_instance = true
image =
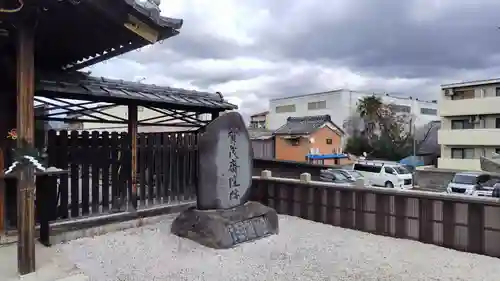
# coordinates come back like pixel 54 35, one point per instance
pixel 302 125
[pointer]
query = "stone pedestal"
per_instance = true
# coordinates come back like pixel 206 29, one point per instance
pixel 223 229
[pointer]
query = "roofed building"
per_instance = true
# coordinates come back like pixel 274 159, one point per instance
pixel 43 45
pixel 259 120
pixel 301 136
pixel 470 123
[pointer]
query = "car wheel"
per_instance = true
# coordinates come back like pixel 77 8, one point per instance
pixel 389 184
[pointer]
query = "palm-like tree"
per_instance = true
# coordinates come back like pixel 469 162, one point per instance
pixel 369 109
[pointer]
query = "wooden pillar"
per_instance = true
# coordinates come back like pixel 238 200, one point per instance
pixel 132 132
pixel 215 114
pixel 25 131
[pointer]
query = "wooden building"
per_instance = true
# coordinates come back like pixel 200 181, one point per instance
pixel 43 45
pixel 302 136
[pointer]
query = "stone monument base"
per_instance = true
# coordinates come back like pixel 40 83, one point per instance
pixel 223 229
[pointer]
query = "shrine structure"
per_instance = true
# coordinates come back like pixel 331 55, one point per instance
pixel 43 45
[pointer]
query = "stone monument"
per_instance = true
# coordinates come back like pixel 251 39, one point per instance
pixel 224 216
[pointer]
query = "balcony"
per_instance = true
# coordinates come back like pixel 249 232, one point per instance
pixel 459 164
pixel 474 137
pixel 489 105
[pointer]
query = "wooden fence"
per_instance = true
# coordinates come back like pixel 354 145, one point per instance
pixel 99 165
pixel 469 224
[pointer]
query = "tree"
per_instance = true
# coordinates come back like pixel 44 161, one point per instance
pixel 384 134
pixel 370 109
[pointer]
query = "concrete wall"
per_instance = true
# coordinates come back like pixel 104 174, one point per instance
pixel 435 179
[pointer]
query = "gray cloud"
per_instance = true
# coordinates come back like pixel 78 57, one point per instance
pixel 405 47
pixel 383 36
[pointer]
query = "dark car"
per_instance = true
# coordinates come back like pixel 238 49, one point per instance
pixel 335 176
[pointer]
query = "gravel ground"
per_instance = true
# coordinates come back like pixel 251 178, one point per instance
pixel 303 250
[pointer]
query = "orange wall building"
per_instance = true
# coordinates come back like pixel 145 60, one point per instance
pixel 301 136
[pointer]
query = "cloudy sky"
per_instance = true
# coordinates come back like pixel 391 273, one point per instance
pixel 255 50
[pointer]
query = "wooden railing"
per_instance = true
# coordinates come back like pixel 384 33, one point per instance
pixel 458 222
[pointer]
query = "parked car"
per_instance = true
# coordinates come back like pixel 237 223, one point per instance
pixel 496 191
pixel 335 176
pixel 351 174
pixel 473 183
pixel 384 173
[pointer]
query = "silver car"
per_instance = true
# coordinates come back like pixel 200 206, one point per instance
pixel 351 174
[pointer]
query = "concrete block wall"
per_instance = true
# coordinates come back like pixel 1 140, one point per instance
pixel 432 178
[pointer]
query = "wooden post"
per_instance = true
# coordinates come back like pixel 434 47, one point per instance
pixel 215 114
pixel 132 132
pixel 25 131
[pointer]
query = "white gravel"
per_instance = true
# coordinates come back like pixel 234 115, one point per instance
pixel 303 250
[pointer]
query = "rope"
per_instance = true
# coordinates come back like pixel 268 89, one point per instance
pixel 21 5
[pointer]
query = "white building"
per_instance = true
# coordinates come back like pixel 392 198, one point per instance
pixel 259 120
pixel 470 123
pixel 341 104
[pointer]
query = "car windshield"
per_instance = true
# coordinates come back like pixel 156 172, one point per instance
pixel 464 179
pixel 401 170
pixel 339 175
pixel 356 174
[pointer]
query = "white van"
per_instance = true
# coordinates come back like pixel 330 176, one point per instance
pixel 383 173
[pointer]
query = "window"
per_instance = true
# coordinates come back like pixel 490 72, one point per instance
pixel 285 108
pixel 316 105
pixel 402 170
pixel 400 108
pixel 497 91
pixel 294 141
pixel 497 150
pixel 389 170
pixel 428 111
pixel 329 141
pixel 497 122
pixel 367 168
pixel 461 124
pixel 463 95
pixel 462 153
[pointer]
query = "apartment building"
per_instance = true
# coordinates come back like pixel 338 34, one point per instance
pixel 341 104
pixel 470 123
pixel 259 120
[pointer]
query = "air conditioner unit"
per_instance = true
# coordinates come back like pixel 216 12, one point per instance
pixel 449 92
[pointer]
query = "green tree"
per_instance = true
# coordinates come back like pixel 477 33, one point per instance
pixel 384 134
pixel 370 109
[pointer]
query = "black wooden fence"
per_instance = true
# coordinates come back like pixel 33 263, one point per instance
pixel 99 164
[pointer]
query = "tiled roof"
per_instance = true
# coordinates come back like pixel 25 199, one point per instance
pixel 303 125
pixel 155 16
pixel 260 114
pixel 80 86
pixel 260 133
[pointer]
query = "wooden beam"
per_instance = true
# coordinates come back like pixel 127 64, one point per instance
pixel 25 130
pixel 132 133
